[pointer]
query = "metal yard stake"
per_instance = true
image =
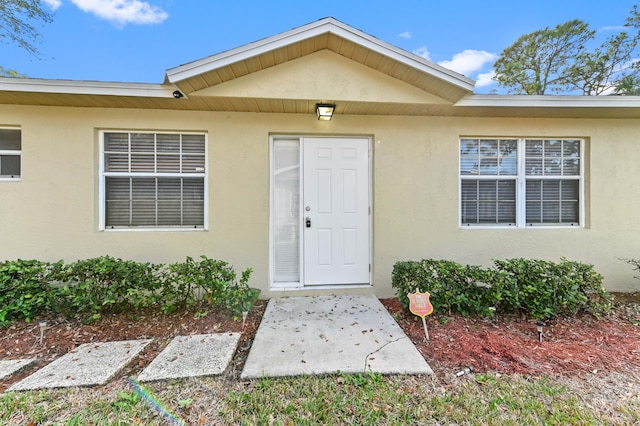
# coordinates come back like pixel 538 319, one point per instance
pixel 420 305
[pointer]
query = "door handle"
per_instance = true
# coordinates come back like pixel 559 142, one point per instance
pixel 308 222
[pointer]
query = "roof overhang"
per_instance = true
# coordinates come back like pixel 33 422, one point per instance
pixel 325 34
pixel 549 106
pixel 413 86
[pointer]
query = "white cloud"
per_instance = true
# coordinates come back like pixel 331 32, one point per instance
pixel 485 79
pixel 469 61
pixel 614 28
pixel 123 12
pixel 405 34
pixel 53 4
pixel 424 52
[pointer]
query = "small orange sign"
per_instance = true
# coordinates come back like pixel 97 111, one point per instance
pixel 419 304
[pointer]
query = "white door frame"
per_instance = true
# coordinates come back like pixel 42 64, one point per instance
pixel 299 284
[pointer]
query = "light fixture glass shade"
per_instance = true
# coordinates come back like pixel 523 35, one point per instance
pixel 325 111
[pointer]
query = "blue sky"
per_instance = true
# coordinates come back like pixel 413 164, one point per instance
pixel 137 40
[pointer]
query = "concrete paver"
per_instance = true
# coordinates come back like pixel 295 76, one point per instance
pixel 297 336
pixel 11 366
pixel 192 356
pixel 329 334
pixel 89 364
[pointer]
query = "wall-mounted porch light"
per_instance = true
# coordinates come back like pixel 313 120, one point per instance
pixel 325 111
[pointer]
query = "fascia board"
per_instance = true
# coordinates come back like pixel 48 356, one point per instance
pixel 549 101
pixel 86 87
pixel 327 25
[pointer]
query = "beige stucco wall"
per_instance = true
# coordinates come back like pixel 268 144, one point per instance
pixel 52 213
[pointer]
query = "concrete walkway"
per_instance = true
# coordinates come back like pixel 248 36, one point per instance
pixel 330 334
pixel 297 336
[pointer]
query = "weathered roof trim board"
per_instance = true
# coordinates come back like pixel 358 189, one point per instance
pixel 74 87
pixel 555 101
pixel 314 29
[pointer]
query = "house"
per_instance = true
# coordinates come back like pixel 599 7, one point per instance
pixel 228 158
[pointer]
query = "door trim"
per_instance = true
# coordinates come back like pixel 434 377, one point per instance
pixel 299 285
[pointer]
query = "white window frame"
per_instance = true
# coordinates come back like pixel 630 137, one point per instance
pixel 15 153
pixel 521 181
pixel 103 175
pixel 284 285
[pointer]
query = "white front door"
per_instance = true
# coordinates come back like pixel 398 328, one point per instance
pixel 335 211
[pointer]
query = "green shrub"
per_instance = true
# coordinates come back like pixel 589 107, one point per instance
pixel 104 284
pixel 535 288
pixel 239 297
pixel 189 282
pixel 636 265
pixel 544 289
pixel 96 286
pixel 455 288
pixel 24 291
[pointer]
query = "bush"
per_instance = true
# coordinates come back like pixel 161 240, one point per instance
pixel 104 284
pixel 636 265
pixel 535 288
pixel 96 286
pixel 24 291
pixel 239 297
pixel 455 288
pixel 214 281
pixel 545 289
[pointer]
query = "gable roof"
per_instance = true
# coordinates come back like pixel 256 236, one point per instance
pixel 325 34
pixel 379 79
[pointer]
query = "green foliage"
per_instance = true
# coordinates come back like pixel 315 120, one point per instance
pixel 104 284
pixel 545 289
pixel 536 62
pixel 24 292
pixel 635 263
pixel 10 73
pixel 594 72
pixel 93 287
pixel 454 287
pixel 239 297
pixel 188 282
pixel 558 60
pixel 535 288
pixel 16 19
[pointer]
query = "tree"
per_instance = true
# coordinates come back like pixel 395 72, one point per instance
pixel 600 71
pixel 16 17
pixel 537 61
pixel 629 85
pixel 15 26
pixel 558 60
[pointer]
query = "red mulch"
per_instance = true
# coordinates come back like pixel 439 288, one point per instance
pixel 22 340
pixel 507 345
pixel 510 345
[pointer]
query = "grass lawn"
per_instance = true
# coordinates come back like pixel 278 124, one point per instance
pixel 486 399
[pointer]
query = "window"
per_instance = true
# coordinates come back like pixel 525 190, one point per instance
pixel 153 180
pixel 10 153
pixel 285 209
pixel 520 182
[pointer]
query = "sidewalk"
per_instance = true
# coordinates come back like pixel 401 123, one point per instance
pixel 297 336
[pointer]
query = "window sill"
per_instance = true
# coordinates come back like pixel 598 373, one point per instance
pixel 117 230
pixel 484 227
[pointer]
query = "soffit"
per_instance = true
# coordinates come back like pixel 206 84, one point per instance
pixel 323 76
pixel 326 34
pixel 153 96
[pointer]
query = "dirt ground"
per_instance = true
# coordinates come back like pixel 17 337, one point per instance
pixel 570 346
